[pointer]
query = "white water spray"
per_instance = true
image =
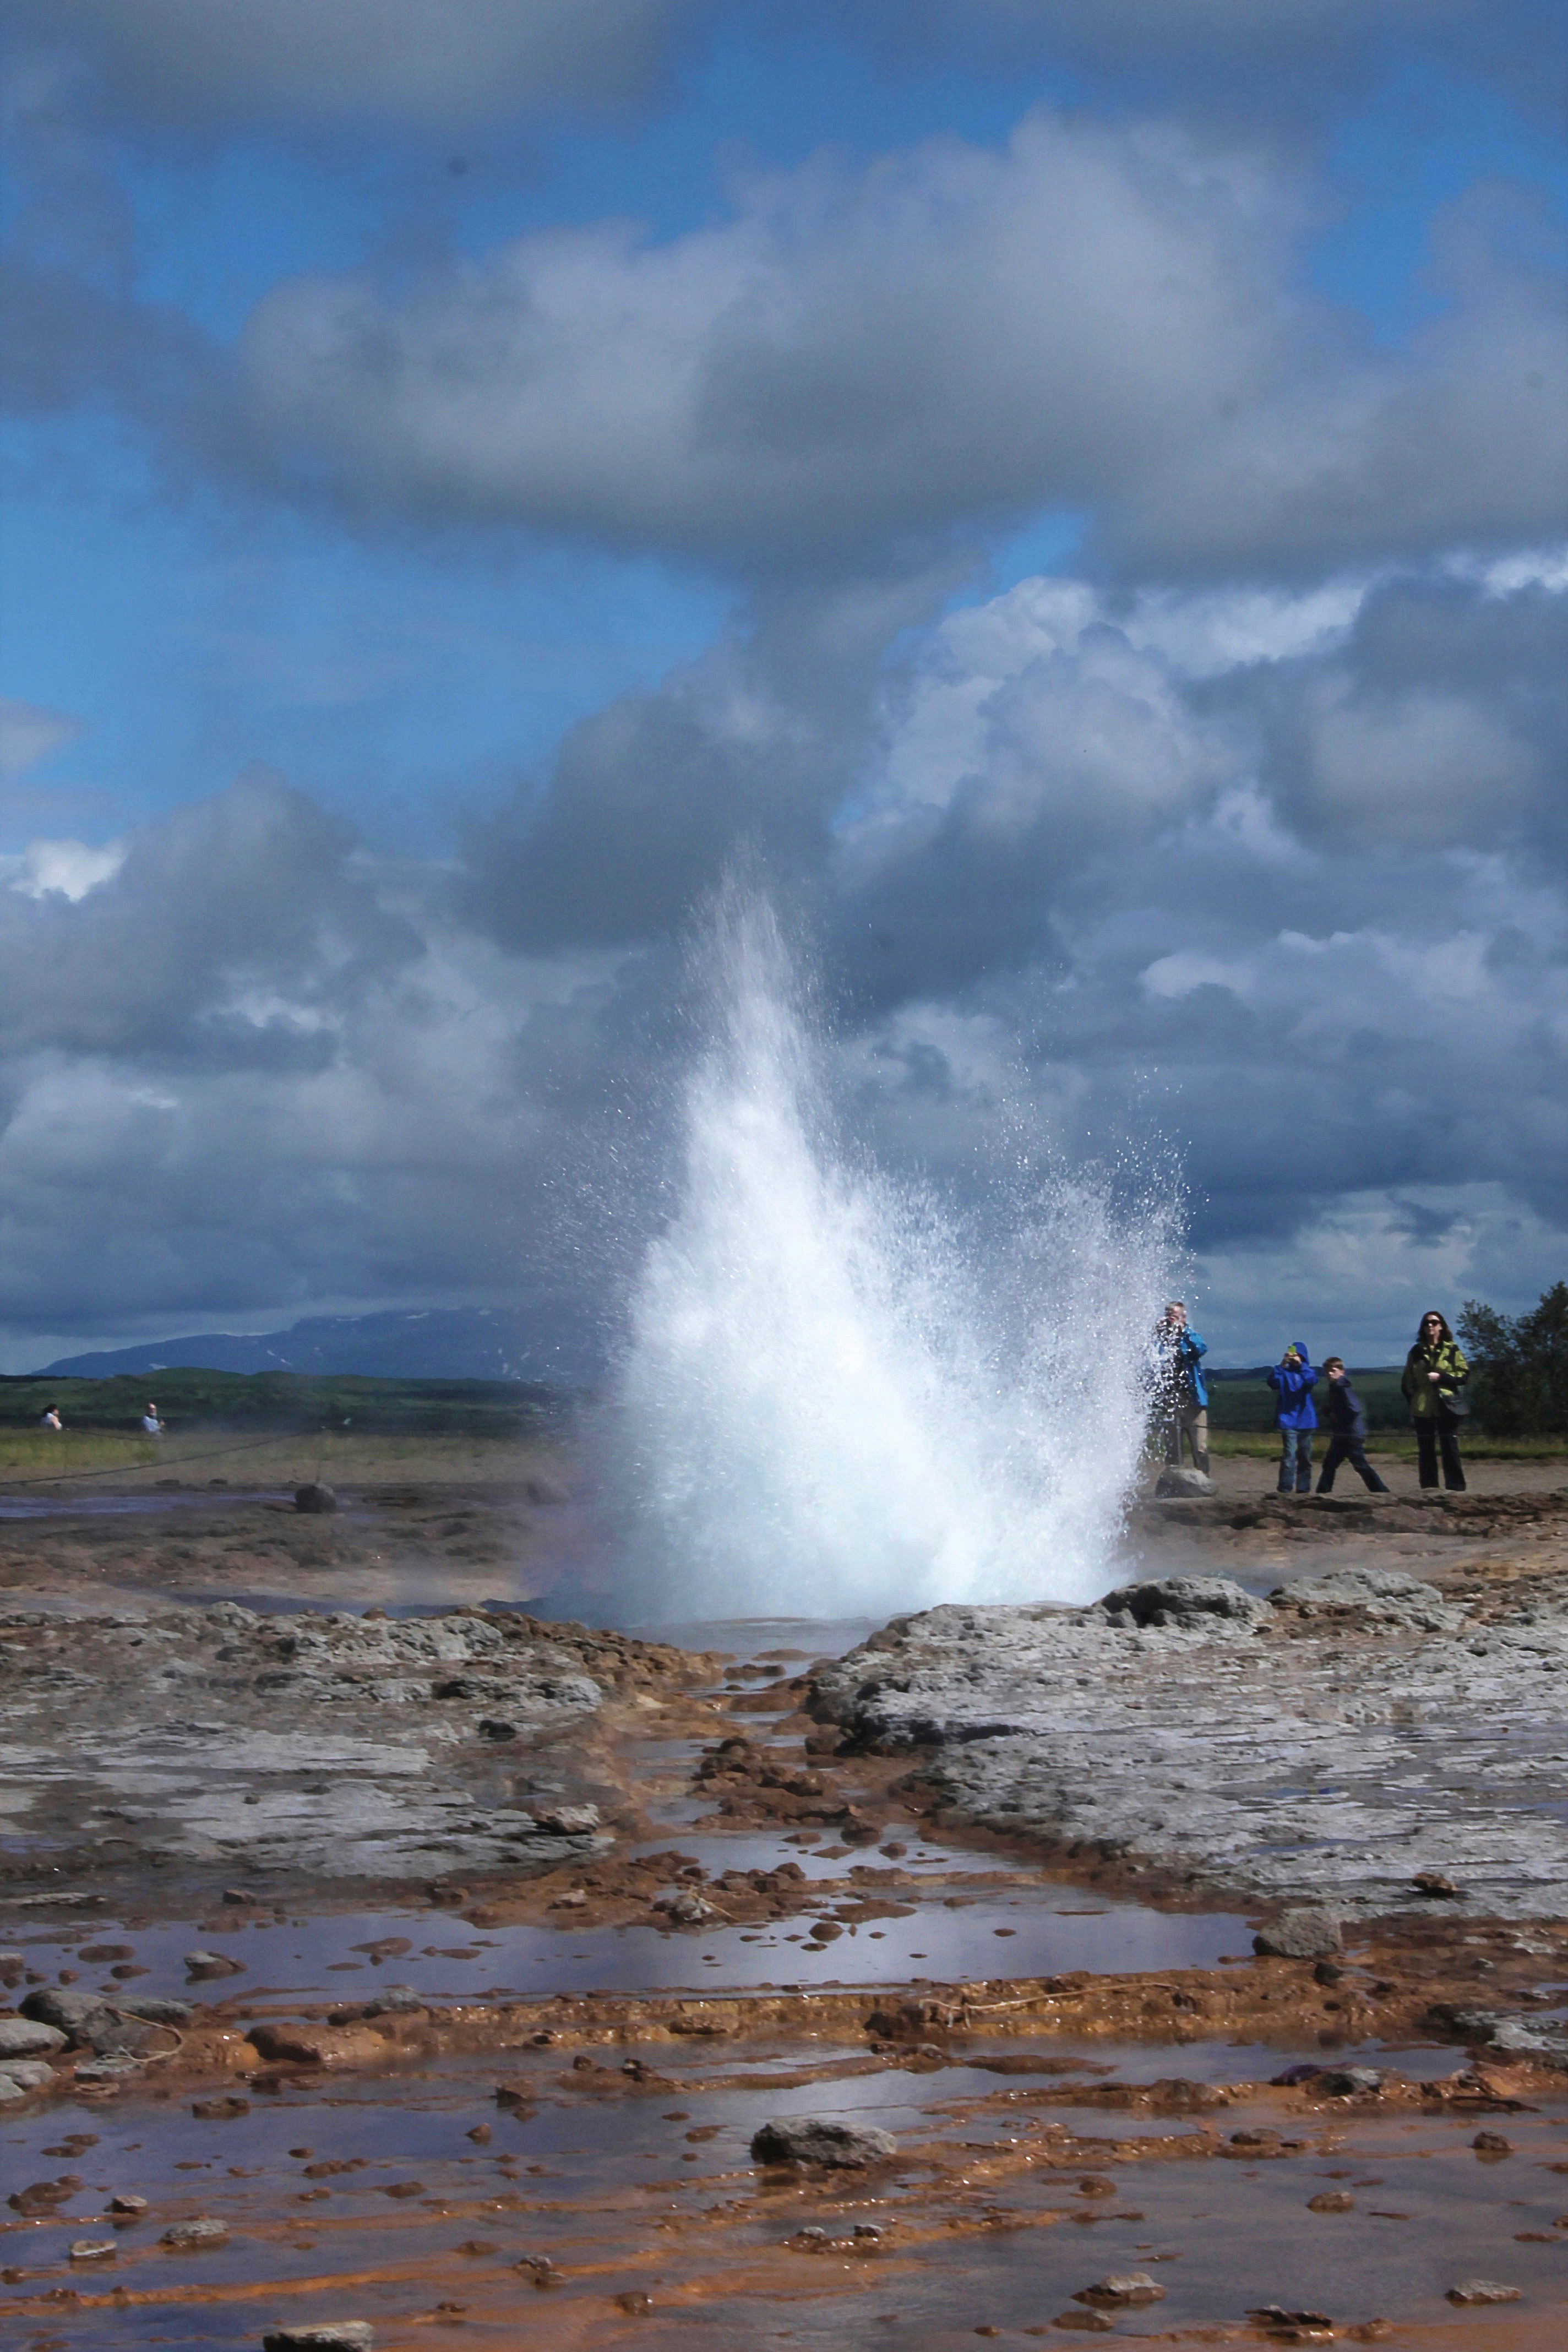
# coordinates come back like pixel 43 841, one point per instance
pixel 838 1401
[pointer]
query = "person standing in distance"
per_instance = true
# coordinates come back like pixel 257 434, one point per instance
pixel 1434 1381
pixel 1184 1395
pixel 52 1418
pixel 1292 1381
pixel 151 1424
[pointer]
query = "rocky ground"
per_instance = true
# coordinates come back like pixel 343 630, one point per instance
pixel 1352 1739
pixel 1348 1724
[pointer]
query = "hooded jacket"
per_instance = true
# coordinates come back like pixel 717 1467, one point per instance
pixel 1292 1385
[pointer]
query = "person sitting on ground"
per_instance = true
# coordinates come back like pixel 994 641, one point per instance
pixel 1434 1381
pixel 1292 1381
pixel 151 1424
pixel 1347 1430
pixel 52 1418
pixel 1183 1398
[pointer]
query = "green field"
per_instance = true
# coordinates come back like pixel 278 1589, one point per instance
pixel 1243 1402
pixel 243 1402
pixel 1241 1420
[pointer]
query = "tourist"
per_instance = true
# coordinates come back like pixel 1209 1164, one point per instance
pixel 1292 1381
pixel 1183 1398
pixel 52 1418
pixel 1347 1430
pixel 1434 1382
pixel 151 1424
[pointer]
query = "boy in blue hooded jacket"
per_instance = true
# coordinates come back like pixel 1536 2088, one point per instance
pixel 1292 1381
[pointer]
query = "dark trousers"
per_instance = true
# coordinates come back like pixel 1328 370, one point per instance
pixel 1354 1451
pixel 1432 1430
pixel 1296 1461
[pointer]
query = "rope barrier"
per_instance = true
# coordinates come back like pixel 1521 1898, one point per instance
pixel 158 1462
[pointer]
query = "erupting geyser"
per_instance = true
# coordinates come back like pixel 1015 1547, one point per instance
pixel 838 1398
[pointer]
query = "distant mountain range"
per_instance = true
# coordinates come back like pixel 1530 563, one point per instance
pixel 547 1340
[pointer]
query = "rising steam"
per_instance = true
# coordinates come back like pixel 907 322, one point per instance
pixel 837 1400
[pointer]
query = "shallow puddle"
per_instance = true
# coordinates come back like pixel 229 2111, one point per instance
pixel 1004 2201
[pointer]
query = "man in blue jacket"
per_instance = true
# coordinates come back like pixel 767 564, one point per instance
pixel 1292 1381
pixel 1347 1430
pixel 1183 1394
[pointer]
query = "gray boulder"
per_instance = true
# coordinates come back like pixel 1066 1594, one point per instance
pixel 1310 1934
pixel 824 2140
pixel 315 1499
pixel 1184 1600
pixel 1175 1486
pixel 324 2336
pixel 28 2037
pixel 83 2020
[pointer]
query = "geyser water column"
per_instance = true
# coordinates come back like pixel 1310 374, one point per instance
pixel 838 1398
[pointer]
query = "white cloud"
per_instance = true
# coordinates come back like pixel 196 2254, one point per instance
pixel 71 868
pixel 1178 975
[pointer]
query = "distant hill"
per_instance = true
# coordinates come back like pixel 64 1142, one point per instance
pixel 547 1340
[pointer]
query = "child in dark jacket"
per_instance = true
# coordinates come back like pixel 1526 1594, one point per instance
pixel 1347 1430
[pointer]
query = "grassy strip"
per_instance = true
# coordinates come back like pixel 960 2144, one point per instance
pixel 1397 1445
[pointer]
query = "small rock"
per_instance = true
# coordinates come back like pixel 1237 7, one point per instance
pixel 1437 1886
pixel 114 2067
pixel 190 2236
pixel 1331 2200
pixel 1479 2290
pixel 1487 2143
pixel 634 2302
pixel 129 2203
pixel 687 1910
pixel 394 2000
pixel 316 1498
pixel 490 1727
pixel 322 2336
pixel 821 2140
pixel 92 2249
pixel 1348 2082
pixel 569 1821
pixel 1123 2288
pixel 204 1965
pixel 1311 1933
pixel 1083 2322
pixel 28 2037
pixel 224 2110
pixel 158 2010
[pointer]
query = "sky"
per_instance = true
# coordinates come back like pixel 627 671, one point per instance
pixel 1072 494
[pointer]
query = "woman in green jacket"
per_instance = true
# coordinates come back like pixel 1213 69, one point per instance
pixel 1435 1372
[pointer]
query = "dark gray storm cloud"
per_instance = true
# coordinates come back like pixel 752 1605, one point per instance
pixel 205 67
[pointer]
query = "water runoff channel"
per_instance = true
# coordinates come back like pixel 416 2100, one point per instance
pixel 586 2189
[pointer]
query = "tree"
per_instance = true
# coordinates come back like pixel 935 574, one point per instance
pixel 1520 1365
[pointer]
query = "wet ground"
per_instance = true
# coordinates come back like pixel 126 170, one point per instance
pixel 482 2104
